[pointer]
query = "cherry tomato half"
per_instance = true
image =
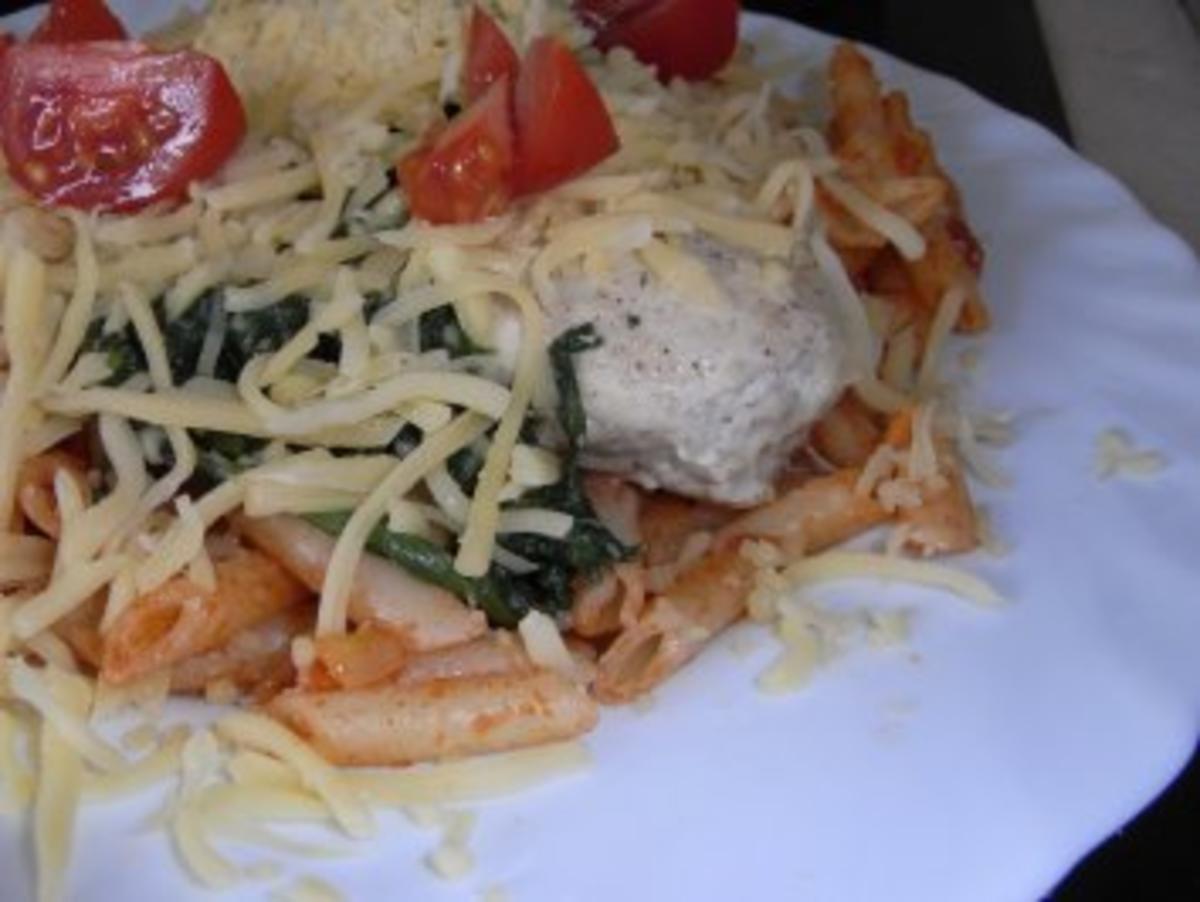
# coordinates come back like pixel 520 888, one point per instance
pixel 490 56
pixel 563 126
pixel 465 173
pixel 114 125
pixel 68 21
pixel 689 39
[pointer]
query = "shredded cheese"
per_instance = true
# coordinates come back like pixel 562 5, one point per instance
pixel 948 312
pixel 56 798
pixel 473 779
pixel 683 272
pixel 158 766
pixel 76 318
pixel 24 293
pixel 261 733
pixel 832 566
pixel 63 595
pixel 896 229
pixel 762 237
pixel 309 889
pixel 339 575
pixel 544 644
pixel 263 190
pixel 1116 455
pixel 478 539
pixel 40 690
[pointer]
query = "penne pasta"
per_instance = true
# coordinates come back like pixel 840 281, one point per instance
pixel 875 137
pixel 368 655
pixel 847 434
pixel 179 619
pixel 497 653
pixel 397 724
pixel 614 600
pixel 617 504
pixel 257 660
pixel 428 617
pixel 667 522
pixel 24 560
pixel 821 512
pixel 80 629
pixel 676 626
pixel 35 488
pixel 946 521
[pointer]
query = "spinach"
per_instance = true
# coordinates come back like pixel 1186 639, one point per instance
pixel 571 415
pixel 184 335
pixel 585 552
pixel 440 330
pixel 464 466
pixel 589 548
pixel 504 598
pixel 247 334
pixel 121 349
pixel 255 332
pixel 220 455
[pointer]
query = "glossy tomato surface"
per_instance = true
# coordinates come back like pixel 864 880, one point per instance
pixel 114 126
pixel 563 126
pixel 490 56
pixel 78 20
pixel 465 173
pixel 689 39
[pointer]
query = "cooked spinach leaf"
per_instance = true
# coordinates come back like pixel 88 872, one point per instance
pixel 440 330
pixel 586 551
pixel 121 349
pixel 464 466
pixel 571 415
pixel 255 332
pixel 184 335
pixel 589 548
pixel 504 598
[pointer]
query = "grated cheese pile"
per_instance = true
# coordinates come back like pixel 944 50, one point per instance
pixel 813 634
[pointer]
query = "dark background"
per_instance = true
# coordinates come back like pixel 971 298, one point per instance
pixel 996 47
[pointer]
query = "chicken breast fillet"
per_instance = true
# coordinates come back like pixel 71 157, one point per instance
pixel 705 400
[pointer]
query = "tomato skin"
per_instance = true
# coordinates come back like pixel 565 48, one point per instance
pixel 600 14
pixel 490 56
pixel 688 39
pixel 563 126
pixel 68 21
pixel 465 172
pixel 113 125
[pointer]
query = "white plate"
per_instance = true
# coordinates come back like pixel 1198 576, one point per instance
pixel 985 760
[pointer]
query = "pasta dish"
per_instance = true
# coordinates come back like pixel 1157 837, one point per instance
pixel 413 378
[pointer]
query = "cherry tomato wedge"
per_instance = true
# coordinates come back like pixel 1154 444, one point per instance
pixel 465 173
pixel 114 126
pixel 68 21
pixel 599 14
pixel 563 126
pixel 689 39
pixel 490 56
